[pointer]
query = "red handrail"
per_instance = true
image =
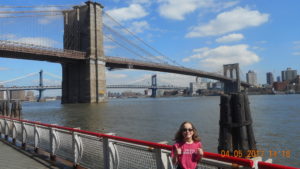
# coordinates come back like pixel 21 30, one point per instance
pixel 264 165
pixel 230 159
pixel 236 160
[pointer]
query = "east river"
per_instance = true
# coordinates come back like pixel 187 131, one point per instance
pixel 276 120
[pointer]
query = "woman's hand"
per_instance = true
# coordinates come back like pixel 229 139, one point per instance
pixel 178 151
pixel 200 151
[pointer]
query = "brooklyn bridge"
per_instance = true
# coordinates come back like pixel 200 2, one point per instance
pixel 84 62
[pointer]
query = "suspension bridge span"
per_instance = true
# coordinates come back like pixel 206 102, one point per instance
pixel 84 62
pixel 42 87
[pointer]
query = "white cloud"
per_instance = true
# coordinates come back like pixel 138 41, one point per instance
pixel 139 26
pixel 3 68
pixel 296 44
pixel 177 9
pixel 134 11
pixel 234 37
pixel 236 19
pixel 214 58
pixel 141 2
pixel 8 36
pixel 53 16
pixel 110 75
pixel 258 48
pixel 41 41
pixel 201 49
pixel 296 53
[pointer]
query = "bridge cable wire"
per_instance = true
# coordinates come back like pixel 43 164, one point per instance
pixel 37 6
pixel 18 78
pixel 21 12
pixel 123 46
pixel 53 75
pixel 23 16
pixel 140 39
pixel 128 41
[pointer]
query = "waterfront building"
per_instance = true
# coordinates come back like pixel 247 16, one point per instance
pixel 195 86
pixel 270 78
pixel 30 96
pixel 280 86
pixel 278 78
pixel 288 74
pixel 251 77
pixel 18 95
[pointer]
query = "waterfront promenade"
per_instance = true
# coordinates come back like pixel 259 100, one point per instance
pixel 12 157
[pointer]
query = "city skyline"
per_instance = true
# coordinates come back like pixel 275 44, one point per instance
pixel 199 34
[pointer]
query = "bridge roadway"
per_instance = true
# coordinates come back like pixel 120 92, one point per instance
pixel 108 86
pixel 15 50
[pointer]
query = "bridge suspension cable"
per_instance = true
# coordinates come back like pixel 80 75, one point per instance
pixel 123 46
pixel 18 78
pixel 53 75
pixel 140 40
pixel 37 6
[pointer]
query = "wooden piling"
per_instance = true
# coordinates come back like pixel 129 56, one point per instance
pixel 249 129
pixel 1 108
pixel 225 137
pixel 16 108
pixel 236 134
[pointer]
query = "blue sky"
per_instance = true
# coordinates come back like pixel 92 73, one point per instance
pixel 261 35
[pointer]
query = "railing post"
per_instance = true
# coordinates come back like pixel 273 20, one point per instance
pixel 53 144
pixel 14 132
pixel 161 159
pixel 6 129
pixel 110 161
pixel 24 135
pixel 36 138
pixel 77 149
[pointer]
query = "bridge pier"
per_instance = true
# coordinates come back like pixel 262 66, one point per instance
pixel 41 85
pixel 154 86
pixel 84 81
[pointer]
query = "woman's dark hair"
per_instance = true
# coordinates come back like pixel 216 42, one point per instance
pixel 179 136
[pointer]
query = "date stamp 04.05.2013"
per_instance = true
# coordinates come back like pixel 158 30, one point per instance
pixel 257 153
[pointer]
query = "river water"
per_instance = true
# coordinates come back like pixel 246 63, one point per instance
pixel 276 120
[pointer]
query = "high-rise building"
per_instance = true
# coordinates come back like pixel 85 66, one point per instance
pixel 251 77
pixel 288 74
pixel 278 78
pixel 270 78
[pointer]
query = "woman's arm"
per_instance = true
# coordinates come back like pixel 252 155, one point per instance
pixel 200 153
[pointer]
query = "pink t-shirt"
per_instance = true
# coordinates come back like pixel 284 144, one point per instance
pixel 189 154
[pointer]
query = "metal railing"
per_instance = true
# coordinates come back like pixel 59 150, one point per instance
pixel 105 151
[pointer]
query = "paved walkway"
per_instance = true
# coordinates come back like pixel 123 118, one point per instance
pixel 12 157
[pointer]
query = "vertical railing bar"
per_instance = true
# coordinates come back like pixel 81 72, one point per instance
pixel 6 129
pixel 52 144
pixel 24 135
pixel 13 131
pixel 36 138
pixel 106 158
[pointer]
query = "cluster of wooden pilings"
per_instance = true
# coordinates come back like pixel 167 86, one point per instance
pixel 11 109
pixel 236 137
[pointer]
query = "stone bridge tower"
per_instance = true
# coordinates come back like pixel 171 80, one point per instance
pixel 84 81
pixel 234 73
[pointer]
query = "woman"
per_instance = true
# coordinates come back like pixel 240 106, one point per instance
pixel 187 151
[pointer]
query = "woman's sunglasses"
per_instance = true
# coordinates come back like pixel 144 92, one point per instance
pixel 185 130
